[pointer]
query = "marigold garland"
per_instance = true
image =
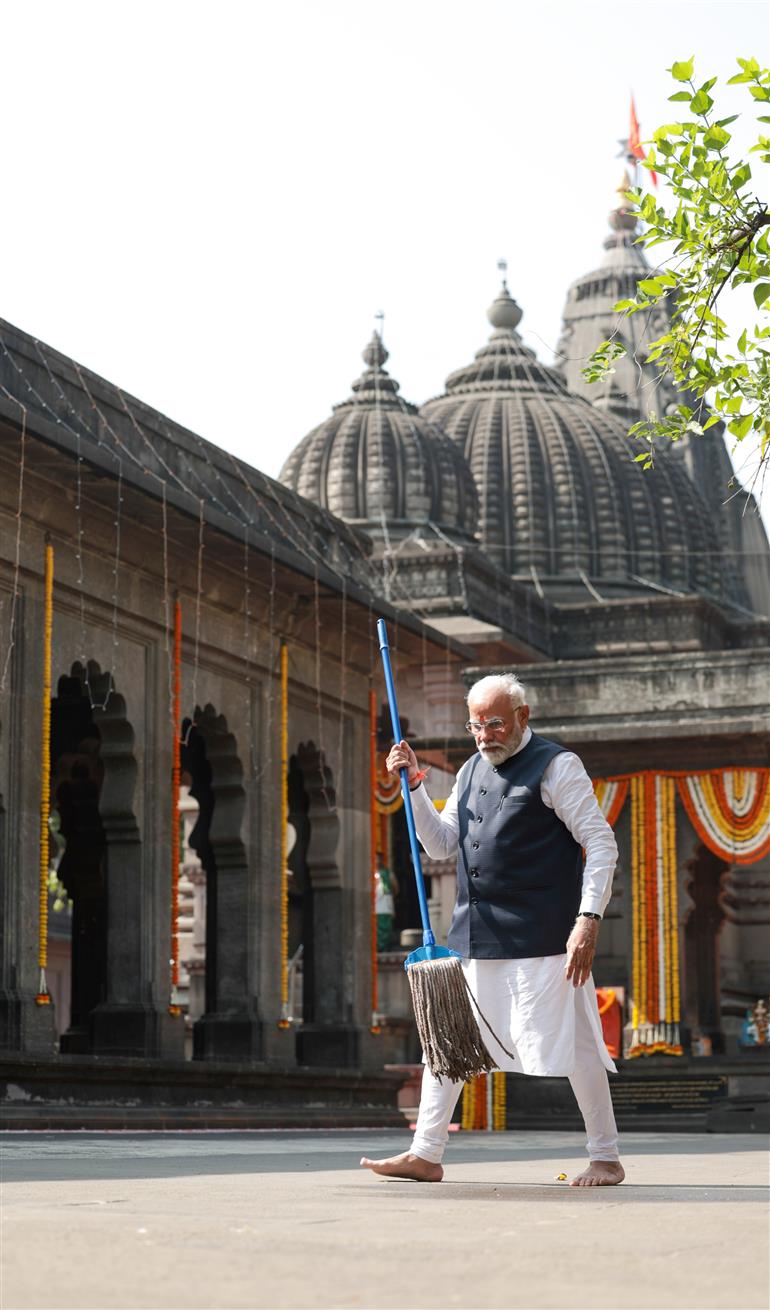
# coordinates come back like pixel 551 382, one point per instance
pixel 611 794
pixel 176 774
pixel 43 997
pixel 387 789
pixel 655 929
pixel 730 811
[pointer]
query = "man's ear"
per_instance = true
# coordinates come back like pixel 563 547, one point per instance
pixel 524 711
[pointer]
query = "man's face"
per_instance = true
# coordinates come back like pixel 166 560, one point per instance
pixel 497 745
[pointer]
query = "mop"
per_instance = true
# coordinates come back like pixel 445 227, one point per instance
pixel 450 1036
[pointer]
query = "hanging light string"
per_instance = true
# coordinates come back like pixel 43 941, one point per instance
pixel 167 625
pixel 197 641
pixel 176 773
pixel 285 1019
pixel 43 997
pixel 373 825
pixel 17 546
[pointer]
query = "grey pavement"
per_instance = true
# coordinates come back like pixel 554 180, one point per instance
pixel 267 1220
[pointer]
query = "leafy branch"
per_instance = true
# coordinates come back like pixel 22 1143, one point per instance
pixel 720 235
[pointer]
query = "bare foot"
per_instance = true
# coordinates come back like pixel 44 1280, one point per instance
pixel 600 1173
pixel 405 1166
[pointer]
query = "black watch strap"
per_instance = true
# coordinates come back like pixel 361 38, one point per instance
pixel 586 914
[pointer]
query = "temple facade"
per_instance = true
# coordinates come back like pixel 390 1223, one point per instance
pixel 192 720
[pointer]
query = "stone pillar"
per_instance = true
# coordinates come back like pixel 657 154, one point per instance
pixel 126 1022
pixel 230 1028
pixel 328 1037
pixel 24 1025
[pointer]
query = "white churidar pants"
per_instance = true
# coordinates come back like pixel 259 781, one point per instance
pixel 551 1028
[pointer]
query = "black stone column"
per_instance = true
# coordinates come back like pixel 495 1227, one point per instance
pixel 230 1028
pixel 327 1037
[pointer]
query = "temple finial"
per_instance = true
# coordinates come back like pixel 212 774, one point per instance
pixel 502 265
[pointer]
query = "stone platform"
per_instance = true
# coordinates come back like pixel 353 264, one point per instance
pixel 658 1094
pixel 75 1092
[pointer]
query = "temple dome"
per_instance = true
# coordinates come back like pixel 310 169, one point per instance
pixel 376 463
pixel 562 502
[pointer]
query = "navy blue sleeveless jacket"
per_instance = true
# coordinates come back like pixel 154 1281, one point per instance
pixel 519 869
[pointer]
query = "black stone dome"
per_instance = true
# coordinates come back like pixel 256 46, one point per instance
pixel 376 463
pixel 561 498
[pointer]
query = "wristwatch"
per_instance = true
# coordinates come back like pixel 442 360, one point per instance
pixel 586 914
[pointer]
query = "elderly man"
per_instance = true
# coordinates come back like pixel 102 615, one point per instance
pixel 526 920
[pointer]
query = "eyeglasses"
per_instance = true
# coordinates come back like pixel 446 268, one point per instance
pixel 491 725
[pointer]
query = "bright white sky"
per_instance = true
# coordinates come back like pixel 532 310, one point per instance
pixel 208 203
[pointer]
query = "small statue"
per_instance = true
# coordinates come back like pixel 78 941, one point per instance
pixel 755 1026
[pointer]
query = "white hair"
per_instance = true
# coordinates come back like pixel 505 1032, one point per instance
pixel 499 682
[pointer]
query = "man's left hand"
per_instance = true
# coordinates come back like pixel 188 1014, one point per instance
pixel 581 949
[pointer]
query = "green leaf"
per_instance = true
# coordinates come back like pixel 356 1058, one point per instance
pixel 701 103
pixel 680 95
pixel 651 286
pixel 682 70
pixel 716 137
pixel 742 342
pixel 761 292
pixel 741 426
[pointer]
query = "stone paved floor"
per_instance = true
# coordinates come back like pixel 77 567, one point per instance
pixel 270 1220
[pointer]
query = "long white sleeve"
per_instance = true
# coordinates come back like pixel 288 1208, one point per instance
pixel 438 831
pixel 567 789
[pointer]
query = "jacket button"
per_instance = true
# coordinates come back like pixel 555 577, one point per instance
pixel 474 873
pixel 475 845
pixel 483 791
pixel 474 900
pixel 480 818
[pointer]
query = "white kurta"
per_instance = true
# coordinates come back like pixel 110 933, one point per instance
pixel 534 1010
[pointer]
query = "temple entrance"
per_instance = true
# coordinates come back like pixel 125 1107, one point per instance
pixel 78 847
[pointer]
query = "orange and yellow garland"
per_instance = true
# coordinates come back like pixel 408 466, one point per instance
pixel 730 811
pixel 480 1098
pixel 656 1002
pixel 43 997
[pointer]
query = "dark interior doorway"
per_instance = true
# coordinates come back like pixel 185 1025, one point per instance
pixel 197 777
pixel 77 774
pixel 301 888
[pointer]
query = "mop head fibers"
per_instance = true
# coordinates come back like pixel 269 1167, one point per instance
pixel 449 1033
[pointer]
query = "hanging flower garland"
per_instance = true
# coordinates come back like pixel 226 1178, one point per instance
pixel 611 794
pixel 43 997
pixel 387 789
pixel 498 1101
pixel 730 811
pixel 655 929
pixel 176 773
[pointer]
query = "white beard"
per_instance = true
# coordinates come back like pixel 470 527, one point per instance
pixel 499 752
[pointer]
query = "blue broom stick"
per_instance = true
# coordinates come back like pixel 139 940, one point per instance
pixel 428 940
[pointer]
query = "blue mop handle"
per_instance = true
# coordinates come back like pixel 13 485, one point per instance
pixel 427 934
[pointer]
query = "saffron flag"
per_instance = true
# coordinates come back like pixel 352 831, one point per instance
pixel 635 146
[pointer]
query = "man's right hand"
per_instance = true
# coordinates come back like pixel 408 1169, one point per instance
pixel 401 756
